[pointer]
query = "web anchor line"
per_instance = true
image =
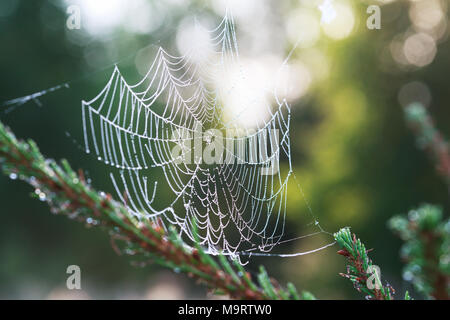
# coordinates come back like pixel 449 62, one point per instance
pixel 12 104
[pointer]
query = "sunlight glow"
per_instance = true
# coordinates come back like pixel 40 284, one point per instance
pixel 328 11
pixel 100 16
pixel 303 27
pixel 342 26
pixel 194 41
pixel 244 92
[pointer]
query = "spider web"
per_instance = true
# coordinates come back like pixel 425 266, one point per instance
pixel 239 205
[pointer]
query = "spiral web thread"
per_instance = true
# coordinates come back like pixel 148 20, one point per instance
pixel 133 128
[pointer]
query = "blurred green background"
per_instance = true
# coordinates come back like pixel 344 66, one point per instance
pixel 356 160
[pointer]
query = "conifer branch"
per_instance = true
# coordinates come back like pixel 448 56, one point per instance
pixel 67 193
pixel 429 138
pixel 360 269
pixel 426 250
